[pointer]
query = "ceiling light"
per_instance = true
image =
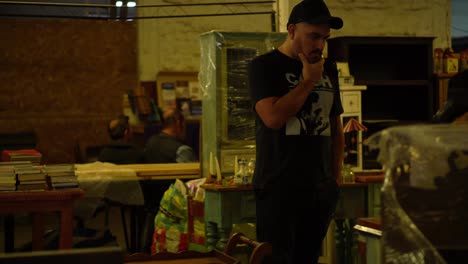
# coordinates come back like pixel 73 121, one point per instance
pixel 131 4
pixel 118 3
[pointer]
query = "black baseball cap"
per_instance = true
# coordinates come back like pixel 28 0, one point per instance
pixel 314 12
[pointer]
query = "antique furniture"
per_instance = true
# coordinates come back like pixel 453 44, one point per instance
pixel 235 204
pixel 397 72
pixel 193 257
pixel 228 122
pixel 424 197
pixel 132 187
pixel 351 101
pixel 37 203
pixel 260 250
pixel 96 255
pixel 370 232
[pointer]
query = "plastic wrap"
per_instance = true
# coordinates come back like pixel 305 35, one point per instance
pixel 106 180
pixel 424 195
pixel 228 119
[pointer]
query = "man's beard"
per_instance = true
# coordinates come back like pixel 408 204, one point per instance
pixel 317 56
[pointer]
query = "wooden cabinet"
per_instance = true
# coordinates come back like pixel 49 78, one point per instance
pixel 228 122
pixel 228 205
pixel 374 199
pixel 351 101
pixel 397 72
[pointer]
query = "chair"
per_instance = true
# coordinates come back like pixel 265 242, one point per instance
pixel 260 249
pixel 92 153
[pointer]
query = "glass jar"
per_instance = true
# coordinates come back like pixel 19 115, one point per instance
pixel 464 60
pixel 347 174
pixel 251 168
pixel 244 171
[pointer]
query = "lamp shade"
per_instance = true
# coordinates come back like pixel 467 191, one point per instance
pixel 354 125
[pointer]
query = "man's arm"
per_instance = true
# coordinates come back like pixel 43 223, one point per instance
pixel 337 137
pixel 275 111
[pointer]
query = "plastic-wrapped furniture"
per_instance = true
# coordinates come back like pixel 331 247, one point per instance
pixel 425 194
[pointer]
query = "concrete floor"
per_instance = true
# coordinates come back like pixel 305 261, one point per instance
pixel 23 227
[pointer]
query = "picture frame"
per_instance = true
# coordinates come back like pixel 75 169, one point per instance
pixel 180 90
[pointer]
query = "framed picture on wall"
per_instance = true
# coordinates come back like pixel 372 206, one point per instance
pixel 181 90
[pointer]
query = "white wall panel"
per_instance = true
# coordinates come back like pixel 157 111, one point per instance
pixel 172 44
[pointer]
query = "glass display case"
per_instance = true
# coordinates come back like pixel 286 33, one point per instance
pixel 228 121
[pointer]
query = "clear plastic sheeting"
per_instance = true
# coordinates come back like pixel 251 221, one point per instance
pixel 228 116
pixel 102 180
pixel 224 77
pixel 425 194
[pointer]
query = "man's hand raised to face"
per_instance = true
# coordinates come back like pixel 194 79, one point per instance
pixel 311 72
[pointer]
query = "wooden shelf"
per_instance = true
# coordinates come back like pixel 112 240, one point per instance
pixel 398 73
pixel 445 75
pixel 404 83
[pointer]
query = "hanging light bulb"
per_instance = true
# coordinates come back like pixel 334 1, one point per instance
pixel 118 3
pixel 131 4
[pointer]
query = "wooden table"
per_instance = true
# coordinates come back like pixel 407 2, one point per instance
pixel 150 182
pixel 370 232
pixel 165 171
pixel 235 204
pixel 155 179
pixel 37 203
pixel 225 206
pixel 184 257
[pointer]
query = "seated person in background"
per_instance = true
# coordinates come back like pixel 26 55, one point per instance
pixel 168 146
pixel 120 150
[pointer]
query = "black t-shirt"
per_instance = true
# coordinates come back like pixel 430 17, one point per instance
pixel 121 153
pixel 162 148
pixel 298 154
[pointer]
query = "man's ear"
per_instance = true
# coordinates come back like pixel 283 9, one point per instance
pixel 291 31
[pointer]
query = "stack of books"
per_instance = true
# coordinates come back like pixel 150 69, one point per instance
pixel 7 176
pixel 30 178
pixel 22 155
pixel 61 176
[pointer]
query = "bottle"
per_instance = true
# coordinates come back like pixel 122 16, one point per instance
pixel 251 169
pixel 347 174
pixel 243 171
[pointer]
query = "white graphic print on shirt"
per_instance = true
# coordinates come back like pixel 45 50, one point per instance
pixel 313 118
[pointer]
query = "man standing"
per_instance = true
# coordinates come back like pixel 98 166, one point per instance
pixel 299 136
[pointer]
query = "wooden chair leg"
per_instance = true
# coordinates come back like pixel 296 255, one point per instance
pixel 260 249
pixel 124 225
